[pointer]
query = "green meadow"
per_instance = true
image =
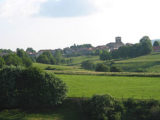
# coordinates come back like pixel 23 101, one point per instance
pixel 84 83
pixel 119 87
pixel 149 63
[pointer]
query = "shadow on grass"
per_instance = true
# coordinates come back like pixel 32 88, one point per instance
pixel 67 111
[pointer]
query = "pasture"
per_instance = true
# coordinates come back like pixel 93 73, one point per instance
pixel 149 63
pixel 119 87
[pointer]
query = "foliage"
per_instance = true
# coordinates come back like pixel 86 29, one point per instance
pixel 115 69
pixel 89 65
pixel 29 88
pixel 5 51
pixel 141 110
pixel 12 59
pixel 101 67
pixel 49 58
pixel 156 43
pixel 144 47
pixel 81 46
pixel 2 62
pixel 20 58
pixel 102 107
pixel 105 55
pixel 58 57
pixel 46 58
pixel 21 53
pixel 30 50
pixel 26 59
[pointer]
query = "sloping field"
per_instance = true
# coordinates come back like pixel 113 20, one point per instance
pixel 149 63
pixel 119 87
pixel 152 57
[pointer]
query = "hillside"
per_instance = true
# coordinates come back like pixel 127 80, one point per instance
pixel 149 63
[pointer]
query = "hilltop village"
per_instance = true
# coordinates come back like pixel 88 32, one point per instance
pixel 85 49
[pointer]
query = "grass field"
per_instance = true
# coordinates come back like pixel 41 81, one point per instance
pixel 78 60
pixel 119 87
pixel 149 63
pixel 89 83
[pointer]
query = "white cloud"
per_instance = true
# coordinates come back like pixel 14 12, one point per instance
pixel 19 8
pixel 102 4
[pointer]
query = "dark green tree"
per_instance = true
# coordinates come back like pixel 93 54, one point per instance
pixel 46 58
pixel 58 56
pixel 26 59
pixel 156 43
pixel 12 59
pixel 115 69
pixel 89 65
pixel 43 59
pixel 146 45
pixel 101 67
pixel 30 50
pixel 29 88
pixel 21 53
pixel 105 55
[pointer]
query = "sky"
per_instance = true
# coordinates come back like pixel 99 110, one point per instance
pixel 52 24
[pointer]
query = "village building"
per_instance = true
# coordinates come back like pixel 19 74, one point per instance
pixel 115 45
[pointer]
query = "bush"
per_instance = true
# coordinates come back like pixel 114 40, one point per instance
pixel 101 108
pixel 105 107
pixel 50 68
pixel 2 62
pixel 115 69
pixel 29 88
pixel 100 67
pixel 89 65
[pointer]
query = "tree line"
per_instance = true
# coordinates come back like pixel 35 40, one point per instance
pixel 144 47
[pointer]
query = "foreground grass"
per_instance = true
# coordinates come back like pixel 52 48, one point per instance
pixel 119 87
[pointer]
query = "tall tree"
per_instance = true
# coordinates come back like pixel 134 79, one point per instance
pixel 21 53
pixel 30 50
pixel 146 45
pixel 105 55
pixel 46 58
pixel 12 59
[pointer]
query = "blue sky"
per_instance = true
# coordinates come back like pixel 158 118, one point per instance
pixel 66 8
pixel 50 24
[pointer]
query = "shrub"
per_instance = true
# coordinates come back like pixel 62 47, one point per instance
pixel 30 88
pixel 50 68
pixel 100 67
pixel 115 69
pixel 89 65
pixel 101 108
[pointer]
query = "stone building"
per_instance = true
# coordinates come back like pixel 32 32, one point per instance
pixel 115 45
